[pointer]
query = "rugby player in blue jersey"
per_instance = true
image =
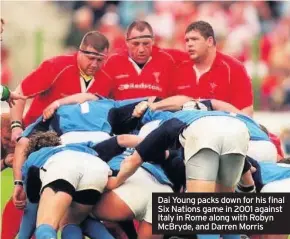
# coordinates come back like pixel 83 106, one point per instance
pixel 78 123
pixel 72 177
pixel 133 199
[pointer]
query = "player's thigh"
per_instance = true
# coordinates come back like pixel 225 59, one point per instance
pixel 131 198
pixel 95 174
pixel 111 207
pixel 230 170
pixel 156 187
pixel 203 166
pixel 75 214
pixel 145 231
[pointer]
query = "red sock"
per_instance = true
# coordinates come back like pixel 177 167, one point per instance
pixel 11 219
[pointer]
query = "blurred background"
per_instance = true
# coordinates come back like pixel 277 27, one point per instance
pixel 257 33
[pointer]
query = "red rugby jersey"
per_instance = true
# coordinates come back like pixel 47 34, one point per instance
pixel 56 78
pixel 129 81
pixel 226 80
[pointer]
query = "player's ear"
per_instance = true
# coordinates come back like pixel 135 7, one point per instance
pixel 210 41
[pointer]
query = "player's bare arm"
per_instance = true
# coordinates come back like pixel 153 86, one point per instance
pixel 224 106
pixel 172 103
pixel 128 140
pixel 128 168
pixel 16 113
pixel 248 110
pixel 19 196
pixel 72 99
pixel 20 157
pixel 175 103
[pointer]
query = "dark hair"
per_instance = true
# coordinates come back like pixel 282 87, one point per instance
pixel 204 28
pixel 140 26
pixel 96 40
pixel 42 139
pixel 285 160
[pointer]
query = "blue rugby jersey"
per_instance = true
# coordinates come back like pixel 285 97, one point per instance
pixel 188 117
pixel 274 171
pixel 104 115
pixel 154 169
pixel 39 158
pixel 105 150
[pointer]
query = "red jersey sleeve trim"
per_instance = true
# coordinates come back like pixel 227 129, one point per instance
pixel 229 70
pixel 107 74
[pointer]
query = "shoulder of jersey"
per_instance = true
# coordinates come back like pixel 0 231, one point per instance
pixel 164 55
pixel 116 57
pixel 62 60
pixel 230 60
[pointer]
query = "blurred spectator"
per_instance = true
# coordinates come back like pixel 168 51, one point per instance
pixel 109 26
pixel 6 74
pixel 276 91
pixel 279 54
pixel 161 17
pixel 285 138
pixel 82 23
pixel 244 27
pixel 7 147
pixel 265 15
pixel 185 13
pixel 269 93
pixel 130 11
pixel 97 7
pixel 2 27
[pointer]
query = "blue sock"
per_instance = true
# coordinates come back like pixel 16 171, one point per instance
pixel 94 229
pixel 71 231
pixel 208 236
pixel 28 222
pixel 231 236
pixel 45 231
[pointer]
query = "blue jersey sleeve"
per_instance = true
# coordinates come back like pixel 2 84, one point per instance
pixel 108 149
pixel 153 147
pixel 37 126
pixel 150 115
pixel 121 103
pixel 121 119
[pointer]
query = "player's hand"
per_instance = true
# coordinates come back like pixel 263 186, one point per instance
pixel 140 109
pixel 19 197
pixel 16 133
pixel 14 96
pixel 112 183
pixel 9 160
pixel 253 169
pixel 49 110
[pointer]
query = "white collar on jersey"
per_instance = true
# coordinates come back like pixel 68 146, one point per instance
pixel 136 67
